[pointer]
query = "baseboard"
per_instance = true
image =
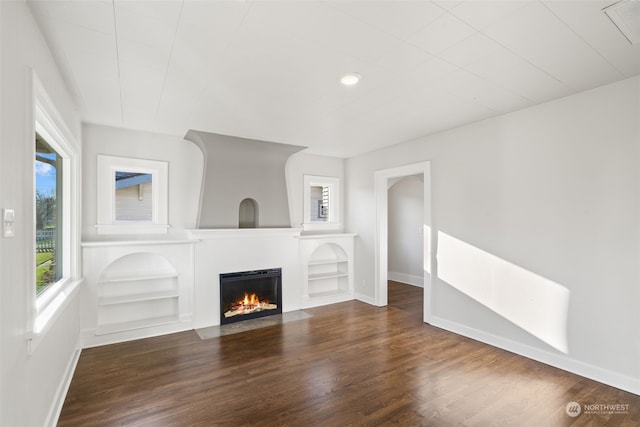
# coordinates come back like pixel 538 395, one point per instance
pixel 406 278
pixel 365 298
pixel 88 337
pixel 61 392
pixel 614 379
pixel 325 300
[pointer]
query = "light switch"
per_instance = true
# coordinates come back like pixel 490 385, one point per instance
pixel 8 220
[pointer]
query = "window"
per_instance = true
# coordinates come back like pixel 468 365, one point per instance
pixel 49 215
pixel 319 195
pixel 132 195
pixel 321 203
pixel 55 252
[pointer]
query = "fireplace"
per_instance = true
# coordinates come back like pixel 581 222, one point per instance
pixel 248 295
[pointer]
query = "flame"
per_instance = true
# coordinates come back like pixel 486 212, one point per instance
pixel 249 304
pixel 250 301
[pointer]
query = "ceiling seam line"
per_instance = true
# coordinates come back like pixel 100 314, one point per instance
pixel 166 72
pixel 115 30
pixel 585 41
pixel 533 65
pixel 502 45
pixel 478 31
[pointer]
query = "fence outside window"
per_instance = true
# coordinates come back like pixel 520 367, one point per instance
pixel 46 240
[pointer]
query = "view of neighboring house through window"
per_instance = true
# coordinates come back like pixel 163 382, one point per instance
pixel 133 199
pixel 48 198
pixel 319 203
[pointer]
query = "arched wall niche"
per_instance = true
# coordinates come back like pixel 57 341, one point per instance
pixel 328 252
pixel 248 214
pixel 137 264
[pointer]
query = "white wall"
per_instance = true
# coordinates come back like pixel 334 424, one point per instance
pixel 30 384
pixel 2 199
pixel 185 174
pixel 301 164
pixel 405 230
pixel 237 169
pixel 553 190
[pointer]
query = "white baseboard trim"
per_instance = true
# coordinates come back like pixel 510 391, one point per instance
pixel 326 300
pixel 614 379
pixel 365 298
pixel 88 337
pixel 61 392
pixel 406 278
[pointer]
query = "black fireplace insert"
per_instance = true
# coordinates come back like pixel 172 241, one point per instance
pixel 248 295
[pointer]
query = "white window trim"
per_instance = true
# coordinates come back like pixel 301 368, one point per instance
pixel 106 169
pixel 335 222
pixel 45 308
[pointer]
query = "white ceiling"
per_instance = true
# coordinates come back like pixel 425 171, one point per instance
pixel 270 70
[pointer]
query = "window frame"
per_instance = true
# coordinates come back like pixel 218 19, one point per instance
pixel 107 166
pixel 334 218
pixel 47 121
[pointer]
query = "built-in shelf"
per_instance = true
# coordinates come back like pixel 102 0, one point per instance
pixel 322 276
pixel 110 328
pixel 147 296
pixel 327 261
pixel 328 268
pixel 134 278
pixel 138 290
pixel 330 293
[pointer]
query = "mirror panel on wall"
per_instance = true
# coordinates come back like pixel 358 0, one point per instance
pixel 132 195
pixel 321 203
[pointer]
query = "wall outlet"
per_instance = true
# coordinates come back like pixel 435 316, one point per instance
pixel 8 221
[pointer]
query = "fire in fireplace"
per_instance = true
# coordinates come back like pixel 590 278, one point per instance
pixel 250 294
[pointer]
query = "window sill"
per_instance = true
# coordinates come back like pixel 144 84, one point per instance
pixel 309 226
pixel 51 310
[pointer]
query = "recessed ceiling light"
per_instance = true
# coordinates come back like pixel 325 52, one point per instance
pixel 350 79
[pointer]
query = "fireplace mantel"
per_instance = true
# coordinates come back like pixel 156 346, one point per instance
pixel 239 233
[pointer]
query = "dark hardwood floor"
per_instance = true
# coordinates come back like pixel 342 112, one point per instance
pixel 350 364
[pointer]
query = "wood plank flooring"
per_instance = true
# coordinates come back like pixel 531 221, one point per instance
pixel 350 364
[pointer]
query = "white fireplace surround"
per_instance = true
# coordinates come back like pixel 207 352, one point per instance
pixel 227 251
pixel 138 289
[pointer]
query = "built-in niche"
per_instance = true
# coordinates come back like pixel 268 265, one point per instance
pixel 132 195
pixel 248 214
pixel 321 203
pixel 328 271
pixel 136 291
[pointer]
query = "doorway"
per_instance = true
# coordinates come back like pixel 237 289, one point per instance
pixel 383 180
pixel 405 244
